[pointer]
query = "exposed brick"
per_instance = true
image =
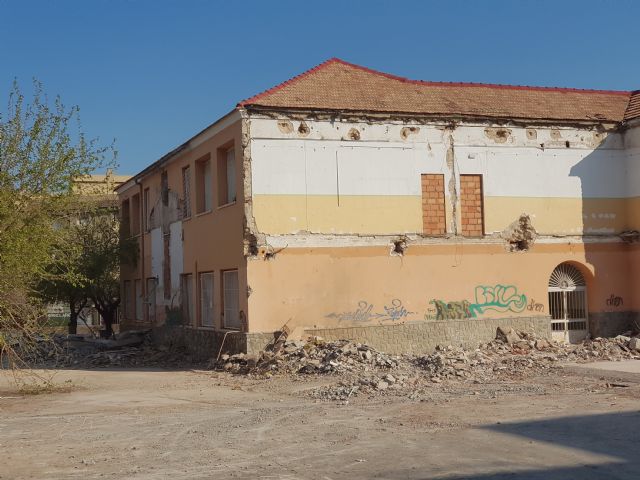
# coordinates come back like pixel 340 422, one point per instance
pixel 471 205
pixel 433 211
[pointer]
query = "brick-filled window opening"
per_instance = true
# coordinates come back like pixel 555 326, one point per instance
pixel 186 298
pixel 226 176
pixel 206 299
pixel 231 299
pixel 433 207
pixel 138 300
pixel 203 186
pixel 186 192
pixel 135 214
pixel 472 205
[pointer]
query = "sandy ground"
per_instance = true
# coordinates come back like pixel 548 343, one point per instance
pixel 146 424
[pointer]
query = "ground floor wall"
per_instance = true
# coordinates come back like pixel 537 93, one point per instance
pixel 432 293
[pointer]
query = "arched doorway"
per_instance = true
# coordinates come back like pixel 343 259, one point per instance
pixel 568 304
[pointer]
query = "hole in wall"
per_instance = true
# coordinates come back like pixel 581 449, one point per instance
pixel 354 134
pixel 398 247
pixel 304 129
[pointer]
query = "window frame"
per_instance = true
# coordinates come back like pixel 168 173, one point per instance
pixel 201 317
pixel 204 185
pixel 224 308
pixel 224 181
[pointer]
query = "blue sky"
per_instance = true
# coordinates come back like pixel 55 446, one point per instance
pixel 150 74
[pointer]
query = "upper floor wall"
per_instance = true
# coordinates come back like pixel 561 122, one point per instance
pixel 334 177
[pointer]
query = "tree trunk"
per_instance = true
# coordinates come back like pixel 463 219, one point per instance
pixel 108 317
pixel 73 318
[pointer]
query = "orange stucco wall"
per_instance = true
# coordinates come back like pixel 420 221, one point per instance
pixel 346 286
pixel 211 241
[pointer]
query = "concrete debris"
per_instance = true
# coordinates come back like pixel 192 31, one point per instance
pixel 362 370
pixel 365 371
pixel 133 348
pixel 314 356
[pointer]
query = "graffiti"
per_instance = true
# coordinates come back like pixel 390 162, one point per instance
pixel 430 314
pixel 452 310
pixel 361 314
pixel 365 313
pixel 396 311
pixel 499 298
pixel 614 301
pixel 535 307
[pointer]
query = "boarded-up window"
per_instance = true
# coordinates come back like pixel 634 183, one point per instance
pixel 186 192
pixel 138 299
pixel 206 299
pixel 151 299
pixel 231 299
pixel 433 212
pixel 203 186
pixel 471 203
pixel 226 176
pixel 187 298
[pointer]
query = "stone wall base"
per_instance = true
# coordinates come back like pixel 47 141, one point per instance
pixel 424 337
pixel 610 324
pixel 417 338
pixel 204 344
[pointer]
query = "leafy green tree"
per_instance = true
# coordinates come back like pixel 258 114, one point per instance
pixel 42 151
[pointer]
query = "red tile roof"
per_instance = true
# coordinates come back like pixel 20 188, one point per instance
pixel 338 85
pixel 633 110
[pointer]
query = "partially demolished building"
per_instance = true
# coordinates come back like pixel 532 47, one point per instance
pixel 355 204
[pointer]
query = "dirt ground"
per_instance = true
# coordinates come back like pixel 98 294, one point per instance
pixel 152 424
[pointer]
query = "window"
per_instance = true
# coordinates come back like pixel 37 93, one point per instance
pixel 206 299
pixel 138 299
pixel 226 176
pixel 231 299
pixel 203 186
pixel 187 299
pixel 145 209
pixel 433 212
pixel 151 299
pixel 135 214
pixel 164 188
pixel 471 203
pixel 186 191
pixel 125 219
pixel 127 293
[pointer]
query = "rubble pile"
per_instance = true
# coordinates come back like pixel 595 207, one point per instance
pixel 133 348
pixel 365 371
pixel 310 357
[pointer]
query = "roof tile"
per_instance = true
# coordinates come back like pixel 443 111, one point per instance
pixel 338 85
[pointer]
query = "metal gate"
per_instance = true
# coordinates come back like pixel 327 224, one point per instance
pixel 568 304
